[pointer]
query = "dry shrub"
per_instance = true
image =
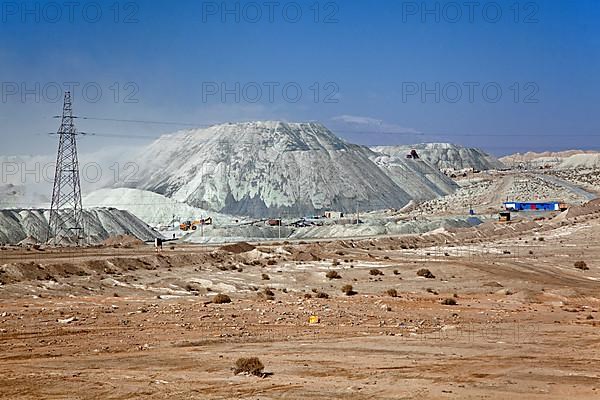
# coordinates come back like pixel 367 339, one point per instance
pixel 449 302
pixel 307 296
pixel 322 295
pixel 250 365
pixel 375 272
pixel 333 275
pixel 396 272
pixel 424 272
pixel 265 277
pixel 581 265
pixel 221 299
pixel 348 290
pixel 392 292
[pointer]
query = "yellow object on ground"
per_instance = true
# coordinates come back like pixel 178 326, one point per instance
pixel 314 319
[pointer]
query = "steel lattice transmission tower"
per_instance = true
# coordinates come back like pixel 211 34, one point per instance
pixel 66 216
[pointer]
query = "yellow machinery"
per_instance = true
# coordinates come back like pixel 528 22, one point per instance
pixel 193 225
pixel 504 216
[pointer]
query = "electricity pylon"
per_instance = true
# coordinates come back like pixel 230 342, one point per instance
pixel 66 216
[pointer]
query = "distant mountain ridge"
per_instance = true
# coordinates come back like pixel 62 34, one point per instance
pixel 560 159
pixel 446 156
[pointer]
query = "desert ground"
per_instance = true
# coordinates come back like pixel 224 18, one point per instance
pixel 119 321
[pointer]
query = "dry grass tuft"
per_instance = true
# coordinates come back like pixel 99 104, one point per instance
pixel 333 275
pixel 424 272
pixel 221 299
pixel 581 265
pixel 250 365
pixel 449 302
pixel 348 290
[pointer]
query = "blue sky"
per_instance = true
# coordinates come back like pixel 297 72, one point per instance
pixel 528 77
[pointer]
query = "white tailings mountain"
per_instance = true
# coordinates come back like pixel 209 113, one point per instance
pixel 426 182
pixel 31 226
pixel 445 156
pixel 263 169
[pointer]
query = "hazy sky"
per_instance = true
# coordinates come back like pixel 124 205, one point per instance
pixel 504 75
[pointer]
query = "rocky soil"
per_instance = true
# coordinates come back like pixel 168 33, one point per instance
pixel 502 311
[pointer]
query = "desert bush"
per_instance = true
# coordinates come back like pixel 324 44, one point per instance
pixel 307 296
pixel 449 301
pixel 335 263
pixel 348 290
pixel 396 272
pixel 191 287
pixel 268 292
pixel 221 299
pixel 375 272
pixel 333 275
pixel 322 295
pixel 424 272
pixel 265 277
pixel 581 265
pixel 251 365
pixel 392 292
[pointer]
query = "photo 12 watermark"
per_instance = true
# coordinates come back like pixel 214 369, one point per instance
pixel 270 92
pixel 53 12
pixel 470 92
pixel 454 12
pixel 253 12
pixel 53 92
pixel 25 173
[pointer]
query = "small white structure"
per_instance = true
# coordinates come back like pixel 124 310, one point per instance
pixel 334 214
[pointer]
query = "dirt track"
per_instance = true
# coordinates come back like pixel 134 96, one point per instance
pixel 124 323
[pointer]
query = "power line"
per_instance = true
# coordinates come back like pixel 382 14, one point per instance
pixel 141 121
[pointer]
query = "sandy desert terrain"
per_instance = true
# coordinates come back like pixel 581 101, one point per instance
pixel 121 322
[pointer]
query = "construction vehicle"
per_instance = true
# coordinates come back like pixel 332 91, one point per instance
pixel 193 225
pixel 504 216
pixel 413 155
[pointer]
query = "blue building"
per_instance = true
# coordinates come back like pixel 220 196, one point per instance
pixel 535 206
